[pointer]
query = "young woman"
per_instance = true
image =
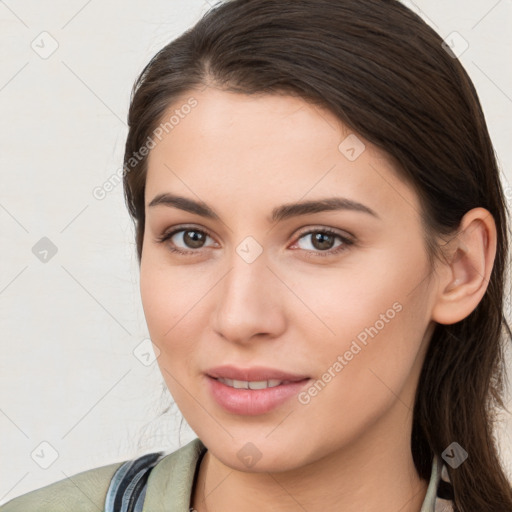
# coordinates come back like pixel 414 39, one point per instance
pixel 322 238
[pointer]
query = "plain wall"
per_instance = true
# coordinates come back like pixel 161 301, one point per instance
pixel 72 326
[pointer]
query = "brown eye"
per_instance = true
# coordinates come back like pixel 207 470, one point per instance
pixel 185 240
pixel 193 239
pixel 320 240
pixel 323 242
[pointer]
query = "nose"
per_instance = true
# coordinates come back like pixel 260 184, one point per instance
pixel 249 302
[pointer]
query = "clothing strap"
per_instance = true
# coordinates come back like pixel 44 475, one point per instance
pixel 127 488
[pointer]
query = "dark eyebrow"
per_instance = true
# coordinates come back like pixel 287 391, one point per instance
pixel 328 204
pixel 183 203
pixel 278 214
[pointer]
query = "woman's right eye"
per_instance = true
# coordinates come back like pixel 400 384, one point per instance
pixel 185 240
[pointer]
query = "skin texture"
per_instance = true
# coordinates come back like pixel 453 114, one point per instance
pixel 348 447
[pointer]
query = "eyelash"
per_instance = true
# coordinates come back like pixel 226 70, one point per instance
pixel 346 242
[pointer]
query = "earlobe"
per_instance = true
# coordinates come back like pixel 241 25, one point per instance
pixel 466 271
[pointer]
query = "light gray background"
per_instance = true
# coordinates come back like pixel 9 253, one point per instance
pixel 69 327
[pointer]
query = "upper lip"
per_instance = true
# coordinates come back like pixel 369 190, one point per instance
pixel 253 374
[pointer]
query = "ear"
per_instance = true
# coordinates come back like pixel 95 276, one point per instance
pixel 464 275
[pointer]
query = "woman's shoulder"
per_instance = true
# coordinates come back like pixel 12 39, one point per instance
pixel 87 491
pixel 82 492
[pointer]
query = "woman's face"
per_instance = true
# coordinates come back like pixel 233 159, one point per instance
pixel 303 276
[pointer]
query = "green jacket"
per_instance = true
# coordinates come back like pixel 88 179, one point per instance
pixel 169 487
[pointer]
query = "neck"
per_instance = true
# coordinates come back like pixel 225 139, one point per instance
pixel 376 473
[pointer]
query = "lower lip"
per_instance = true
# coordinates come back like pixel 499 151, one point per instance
pixel 251 402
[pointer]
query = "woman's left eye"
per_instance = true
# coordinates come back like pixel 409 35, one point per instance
pixel 322 242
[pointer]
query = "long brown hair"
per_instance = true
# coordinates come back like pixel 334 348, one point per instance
pixel 386 74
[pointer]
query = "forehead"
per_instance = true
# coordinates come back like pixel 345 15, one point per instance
pixel 269 148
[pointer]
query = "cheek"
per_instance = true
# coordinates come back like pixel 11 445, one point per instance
pixel 158 301
pixel 367 288
pixel 365 370
pixel 167 293
pixel 379 337
pixel 174 302
pixel 373 315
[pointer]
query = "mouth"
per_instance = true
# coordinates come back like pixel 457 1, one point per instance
pixel 255 384
pixel 252 391
pixel 254 374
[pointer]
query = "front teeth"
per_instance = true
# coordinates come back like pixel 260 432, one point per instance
pixel 244 384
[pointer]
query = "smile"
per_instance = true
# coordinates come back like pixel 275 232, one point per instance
pixel 256 384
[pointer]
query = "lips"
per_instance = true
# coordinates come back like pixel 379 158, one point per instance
pixel 257 384
pixel 252 391
pixel 253 374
